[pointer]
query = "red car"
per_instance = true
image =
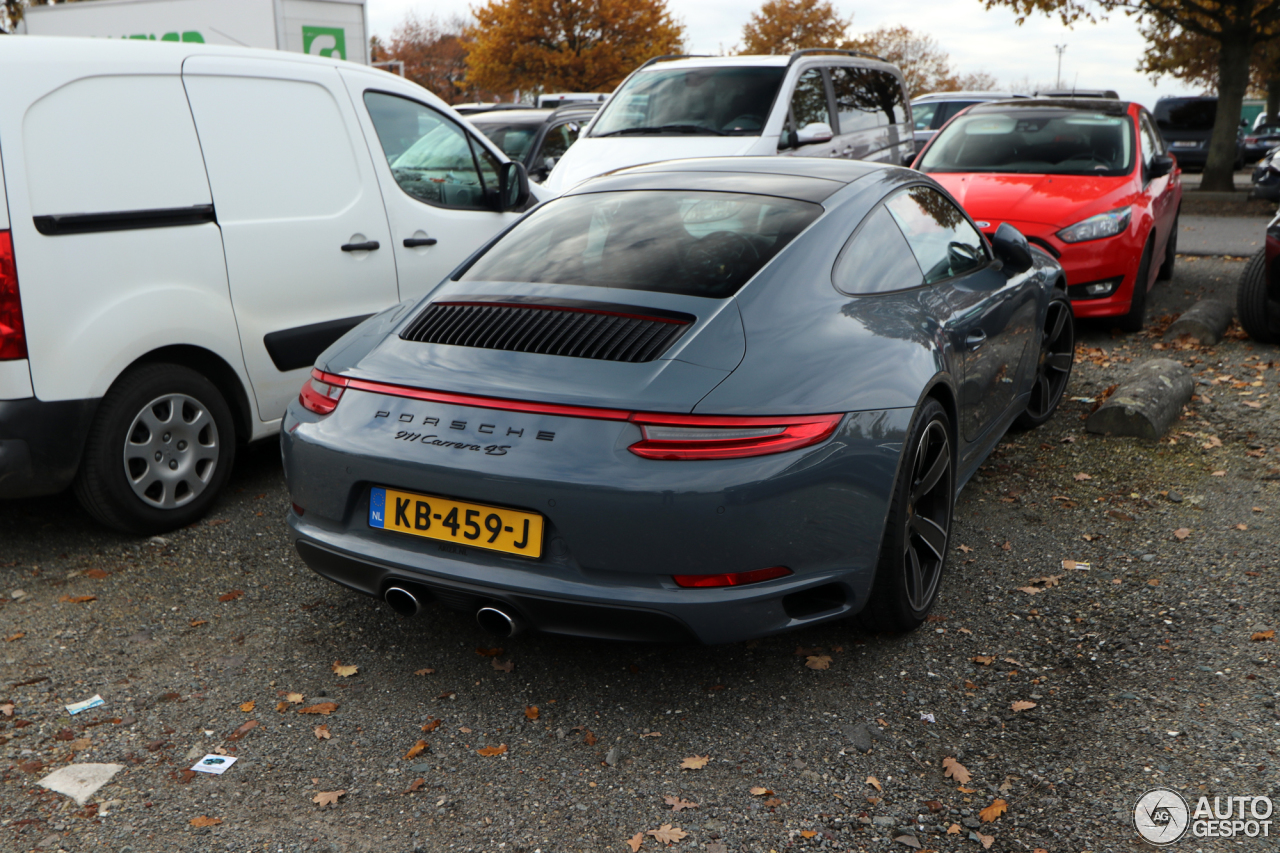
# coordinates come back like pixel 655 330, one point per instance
pixel 1090 182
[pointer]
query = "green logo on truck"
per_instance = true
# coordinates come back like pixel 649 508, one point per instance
pixel 188 36
pixel 324 41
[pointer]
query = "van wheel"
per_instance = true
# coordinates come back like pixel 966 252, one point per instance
pixel 160 449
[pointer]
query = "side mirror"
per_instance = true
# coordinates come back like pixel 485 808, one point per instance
pixel 1012 248
pixel 1161 165
pixel 818 131
pixel 513 186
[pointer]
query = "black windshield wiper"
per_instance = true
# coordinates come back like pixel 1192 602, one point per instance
pixel 666 128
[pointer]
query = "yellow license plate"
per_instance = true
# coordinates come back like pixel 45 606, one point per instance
pixel 475 525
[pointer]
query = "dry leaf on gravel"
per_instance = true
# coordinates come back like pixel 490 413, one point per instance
pixel 1023 705
pixel 242 731
pixel 1181 533
pixel 964 549
pixel 875 783
pixel 1263 636
pixel 96 574
pixel 696 762
pixel 1006 546
pixel 415 749
pixel 489 653
pixel 15 637
pixel 295 698
pixel 588 738
pixel 431 726
pixel 807 833
pixel 1242 527
pixel 322 732
pixel 327 798
pixel 7 709
pixel 984 660
pixel 78 599
pixel 760 792
pixel 1081 477
pixel 953 769
pixel 503 666
pixel 80 744
pixel 247 706
pixel 1049 581
pixel 325 708
pixel 667 833
pixel 994 810
pixel 635 841
pixel 416 785
pixel 818 661
pixel 677 804
pixel 531 712
pixel 231 596
pixel 203 821
pixel 1030 590
pixel 196 623
pixel 985 840
pixel 954 829
pixel 424 671
pixel 490 751
pixel 344 671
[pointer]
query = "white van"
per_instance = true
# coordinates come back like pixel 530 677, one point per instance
pixel 183 229
pixel 813 103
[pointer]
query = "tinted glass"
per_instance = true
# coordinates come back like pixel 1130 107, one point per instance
pixel 431 157
pixel 1031 141
pixel 876 259
pixel 1186 113
pixel 867 98
pixel 940 237
pixel 922 114
pixel 949 110
pixel 1150 147
pixel 694 243
pixel 557 142
pixel 710 101
pixel 809 101
pixel 513 139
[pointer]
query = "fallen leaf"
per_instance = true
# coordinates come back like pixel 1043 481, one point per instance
pixel 327 798
pixel 955 770
pixel 295 698
pixel 416 785
pixel 1218 474
pixel 1023 705
pixel 667 833
pixel 875 783
pixel 242 731
pixel 965 549
pixel 14 637
pixel 1263 636
pixel 431 726
pixel 79 744
pixel 1030 590
pixel 231 596
pixel 985 840
pixel 344 671
pixel 954 829
pixel 490 751
pixel 504 666
pixel 7 709
pixel 934 806
pixel 203 821
pixel 993 811
pixel 677 804
pixel 1007 785
pixel 984 660
pixel 965 631
pixel 635 841
pixel 247 706
pixel 1082 477
pixel 696 762
pixel 760 792
pixel 1181 533
pixel 322 732
pixel 1242 527
pixel 1050 580
pixel 415 749
pixel 96 574
pixel 325 708
pixel 807 833
pixel 773 802
pixel 78 599
pixel 964 790
pixel 464 730
pixel 1006 546
pixel 1154 582
pixel 818 661
pixel 589 739
pixel 531 712
pixel 425 671
pixel 489 653
pixel 196 623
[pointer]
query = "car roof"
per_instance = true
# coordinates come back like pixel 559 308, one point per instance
pixel 530 116
pixel 81 50
pixel 1093 105
pixel 803 178
pixel 956 96
pixel 829 57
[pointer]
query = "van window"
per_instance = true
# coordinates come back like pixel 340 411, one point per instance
pixel 940 236
pixel 867 98
pixel 876 259
pixel 809 102
pixel 275 149
pixel 107 144
pixel 432 158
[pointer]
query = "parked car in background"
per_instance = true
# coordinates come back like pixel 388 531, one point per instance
pixel 1266 177
pixel 1079 93
pixel 930 112
pixel 695 400
pixel 1186 125
pixel 1259 141
pixel 536 138
pixel 1090 182
pixel 565 99
pixel 813 103
pixel 165 289
pixel 482 107
pixel 1258 294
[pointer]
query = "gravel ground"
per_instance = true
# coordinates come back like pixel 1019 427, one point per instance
pixel 1142 668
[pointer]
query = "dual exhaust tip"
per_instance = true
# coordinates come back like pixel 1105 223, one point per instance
pixel 496 620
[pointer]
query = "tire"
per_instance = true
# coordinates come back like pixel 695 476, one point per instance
pixel 1257 313
pixel 160 448
pixel 1137 316
pixel 1170 254
pixel 1053 369
pixel 914 551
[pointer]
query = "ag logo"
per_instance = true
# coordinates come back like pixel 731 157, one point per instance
pixel 325 41
pixel 1161 816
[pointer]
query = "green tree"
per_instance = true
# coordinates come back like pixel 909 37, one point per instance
pixel 781 26
pixel 1237 27
pixel 568 45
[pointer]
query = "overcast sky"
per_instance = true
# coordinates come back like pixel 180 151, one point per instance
pixel 1101 56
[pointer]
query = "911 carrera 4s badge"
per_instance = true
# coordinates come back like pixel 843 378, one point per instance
pixel 459 442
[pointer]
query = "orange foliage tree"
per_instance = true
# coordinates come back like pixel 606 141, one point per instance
pixel 926 67
pixel 781 26
pixel 434 54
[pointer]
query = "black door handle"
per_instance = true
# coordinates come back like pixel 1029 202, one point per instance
pixel 415 242
pixel 975 340
pixel 360 247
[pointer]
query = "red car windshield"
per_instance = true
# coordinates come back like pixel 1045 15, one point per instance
pixel 1047 141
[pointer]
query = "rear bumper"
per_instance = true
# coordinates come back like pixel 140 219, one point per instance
pixel 40 444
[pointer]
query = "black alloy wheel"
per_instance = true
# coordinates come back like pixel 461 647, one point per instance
pixel 914 552
pixel 1053 370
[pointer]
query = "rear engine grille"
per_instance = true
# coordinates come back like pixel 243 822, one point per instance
pixel 550 329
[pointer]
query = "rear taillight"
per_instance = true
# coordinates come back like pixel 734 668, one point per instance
pixel 321 393
pixel 731 578
pixel 13 336
pixel 724 437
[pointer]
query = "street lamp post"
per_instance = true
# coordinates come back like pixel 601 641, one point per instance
pixel 1061 49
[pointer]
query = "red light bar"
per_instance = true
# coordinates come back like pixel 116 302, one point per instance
pixel 732 578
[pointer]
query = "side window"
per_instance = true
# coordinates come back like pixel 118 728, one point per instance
pixel 809 102
pixel 1149 146
pixel 432 158
pixel 876 259
pixel 556 142
pixel 944 115
pixel 940 236
pixel 921 114
pixel 866 98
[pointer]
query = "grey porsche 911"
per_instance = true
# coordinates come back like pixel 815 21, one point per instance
pixel 695 400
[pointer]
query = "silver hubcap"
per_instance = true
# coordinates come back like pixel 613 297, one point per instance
pixel 171 451
pixel 928 516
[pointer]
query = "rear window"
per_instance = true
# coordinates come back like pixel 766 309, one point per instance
pixel 513 138
pixel 692 243
pixel 1186 113
pixel 1026 141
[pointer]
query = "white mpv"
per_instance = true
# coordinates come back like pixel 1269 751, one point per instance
pixel 183 229
pixel 813 103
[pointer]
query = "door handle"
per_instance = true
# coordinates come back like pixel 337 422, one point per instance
pixel 975 340
pixel 415 242
pixel 368 246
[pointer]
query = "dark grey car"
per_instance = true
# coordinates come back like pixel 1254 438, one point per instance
pixel 702 399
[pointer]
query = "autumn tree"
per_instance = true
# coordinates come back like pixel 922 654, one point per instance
pixel 568 45
pixel 926 67
pixel 11 11
pixel 782 26
pixel 1237 27
pixel 434 53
